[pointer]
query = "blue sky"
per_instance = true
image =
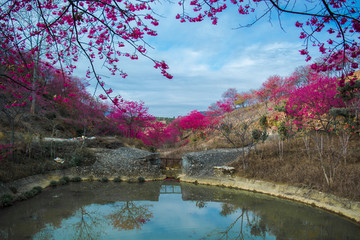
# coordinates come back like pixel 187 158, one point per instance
pixel 206 60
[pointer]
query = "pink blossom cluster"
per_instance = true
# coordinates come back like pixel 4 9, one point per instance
pixel 314 101
pixel 59 32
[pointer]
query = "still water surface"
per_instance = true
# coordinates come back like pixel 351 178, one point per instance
pixel 166 210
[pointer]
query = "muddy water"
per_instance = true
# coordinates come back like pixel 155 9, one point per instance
pixel 166 210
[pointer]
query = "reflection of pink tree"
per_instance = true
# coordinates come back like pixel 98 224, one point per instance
pixel 130 216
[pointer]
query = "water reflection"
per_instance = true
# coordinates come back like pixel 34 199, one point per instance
pixel 200 204
pixel 130 215
pixel 245 226
pixel 227 209
pixel 166 211
pixel 87 226
pixel 84 225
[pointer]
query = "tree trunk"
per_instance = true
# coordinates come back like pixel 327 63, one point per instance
pixel 33 93
pixel 12 138
pixel 33 86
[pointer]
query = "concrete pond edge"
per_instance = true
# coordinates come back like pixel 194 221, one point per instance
pixel 340 206
pixel 43 180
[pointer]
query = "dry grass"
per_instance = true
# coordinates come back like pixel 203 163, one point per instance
pixel 38 157
pixel 298 169
pixel 213 141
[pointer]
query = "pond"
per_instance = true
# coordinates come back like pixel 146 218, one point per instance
pixel 166 210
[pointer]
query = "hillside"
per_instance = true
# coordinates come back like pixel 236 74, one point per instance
pixel 294 160
pixel 288 138
pixel 41 139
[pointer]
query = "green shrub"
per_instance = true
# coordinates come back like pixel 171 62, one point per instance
pixel 263 122
pixel 152 149
pixel 29 194
pixel 78 157
pixel 117 179
pixel 256 134
pixel 132 180
pixel 76 179
pixel 53 183
pixel 63 181
pixel 22 197
pixel 104 179
pixel 38 189
pixel 280 108
pixel 65 178
pixel 6 200
pixel 141 179
pixel 194 139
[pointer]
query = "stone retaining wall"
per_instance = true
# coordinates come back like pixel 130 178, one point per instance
pixel 202 163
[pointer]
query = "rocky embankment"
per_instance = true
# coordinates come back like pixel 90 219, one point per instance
pixel 125 162
pixel 202 164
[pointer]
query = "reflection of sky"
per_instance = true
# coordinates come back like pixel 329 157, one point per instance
pixel 172 218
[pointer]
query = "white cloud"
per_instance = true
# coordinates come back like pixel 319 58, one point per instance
pixel 205 61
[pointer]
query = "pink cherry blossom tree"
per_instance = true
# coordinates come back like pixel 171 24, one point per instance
pixel 131 117
pixel 62 32
pixel 194 121
pixel 314 101
pixel 309 108
pixel 221 107
pixel 244 99
pixel 154 134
